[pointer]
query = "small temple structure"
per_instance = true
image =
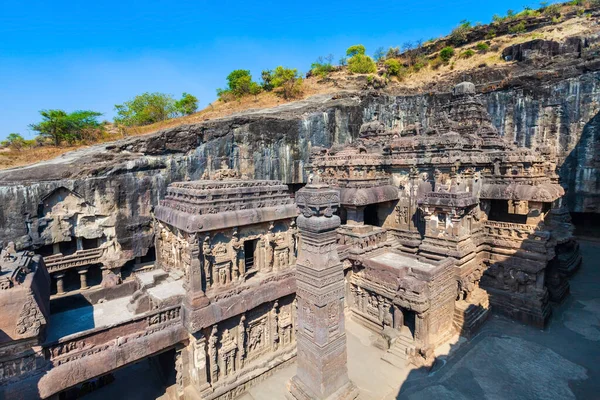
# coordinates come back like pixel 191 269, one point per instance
pixel 417 233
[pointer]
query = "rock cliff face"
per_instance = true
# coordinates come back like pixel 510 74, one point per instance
pixel 124 180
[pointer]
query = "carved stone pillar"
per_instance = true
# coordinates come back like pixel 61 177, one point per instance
pixel 83 278
pixel 60 284
pixel 321 339
pixel 195 296
pixel 398 318
pixel 198 366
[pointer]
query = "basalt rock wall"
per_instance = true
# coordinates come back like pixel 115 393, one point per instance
pixel 125 179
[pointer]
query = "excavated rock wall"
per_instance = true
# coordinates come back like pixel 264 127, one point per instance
pixel 126 179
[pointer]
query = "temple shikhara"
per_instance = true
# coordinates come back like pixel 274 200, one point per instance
pixel 416 233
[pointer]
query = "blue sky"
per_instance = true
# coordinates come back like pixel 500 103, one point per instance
pixel 95 54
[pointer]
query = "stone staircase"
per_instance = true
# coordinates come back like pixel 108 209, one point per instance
pixel 469 316
pixel 402 350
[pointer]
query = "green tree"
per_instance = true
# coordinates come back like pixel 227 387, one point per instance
pixel 16 142
pixel 356 49
pixel 267 80
pixel 61 126
pixel 187 105
pixel 288 81
pixel 146 109
pixel 361 64
pixel 239 83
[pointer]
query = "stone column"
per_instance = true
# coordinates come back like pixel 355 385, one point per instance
pixel 83 278
pixel 321 338
pixel 60 285
pixel 195 295
pixel 398 318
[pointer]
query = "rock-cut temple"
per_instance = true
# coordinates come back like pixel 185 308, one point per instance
pixel 417 234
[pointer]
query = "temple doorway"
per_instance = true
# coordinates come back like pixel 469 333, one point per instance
pixel 409 320
pixel 249 250
pixel 370 215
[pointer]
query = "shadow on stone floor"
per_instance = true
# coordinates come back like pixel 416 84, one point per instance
pixel 508 359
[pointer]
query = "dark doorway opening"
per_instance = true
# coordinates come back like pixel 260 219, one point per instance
pixel 410 320
pixel 249 250
pixel 150 256
pixel 370 215
pixel 89 243
pixel 68 248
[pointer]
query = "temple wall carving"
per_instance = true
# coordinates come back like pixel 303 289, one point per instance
pixel 235 350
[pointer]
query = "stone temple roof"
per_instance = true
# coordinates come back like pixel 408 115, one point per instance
pixel 199 206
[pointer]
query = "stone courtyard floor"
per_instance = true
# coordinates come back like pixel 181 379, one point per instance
pixel 505 360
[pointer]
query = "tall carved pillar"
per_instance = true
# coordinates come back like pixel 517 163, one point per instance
pixel 321 339
pixel 195 291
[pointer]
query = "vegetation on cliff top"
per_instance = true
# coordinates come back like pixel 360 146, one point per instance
pixel 466 47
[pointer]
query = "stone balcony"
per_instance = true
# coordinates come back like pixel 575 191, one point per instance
pixel 60 262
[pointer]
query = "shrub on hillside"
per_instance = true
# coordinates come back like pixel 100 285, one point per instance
pixel 482 47
pixel 361 64
pixel 239 84
pixel 287 82
pixel 446 54
pixel 322 66
pixel 518 28
pixel 467 53
pixel 392 66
